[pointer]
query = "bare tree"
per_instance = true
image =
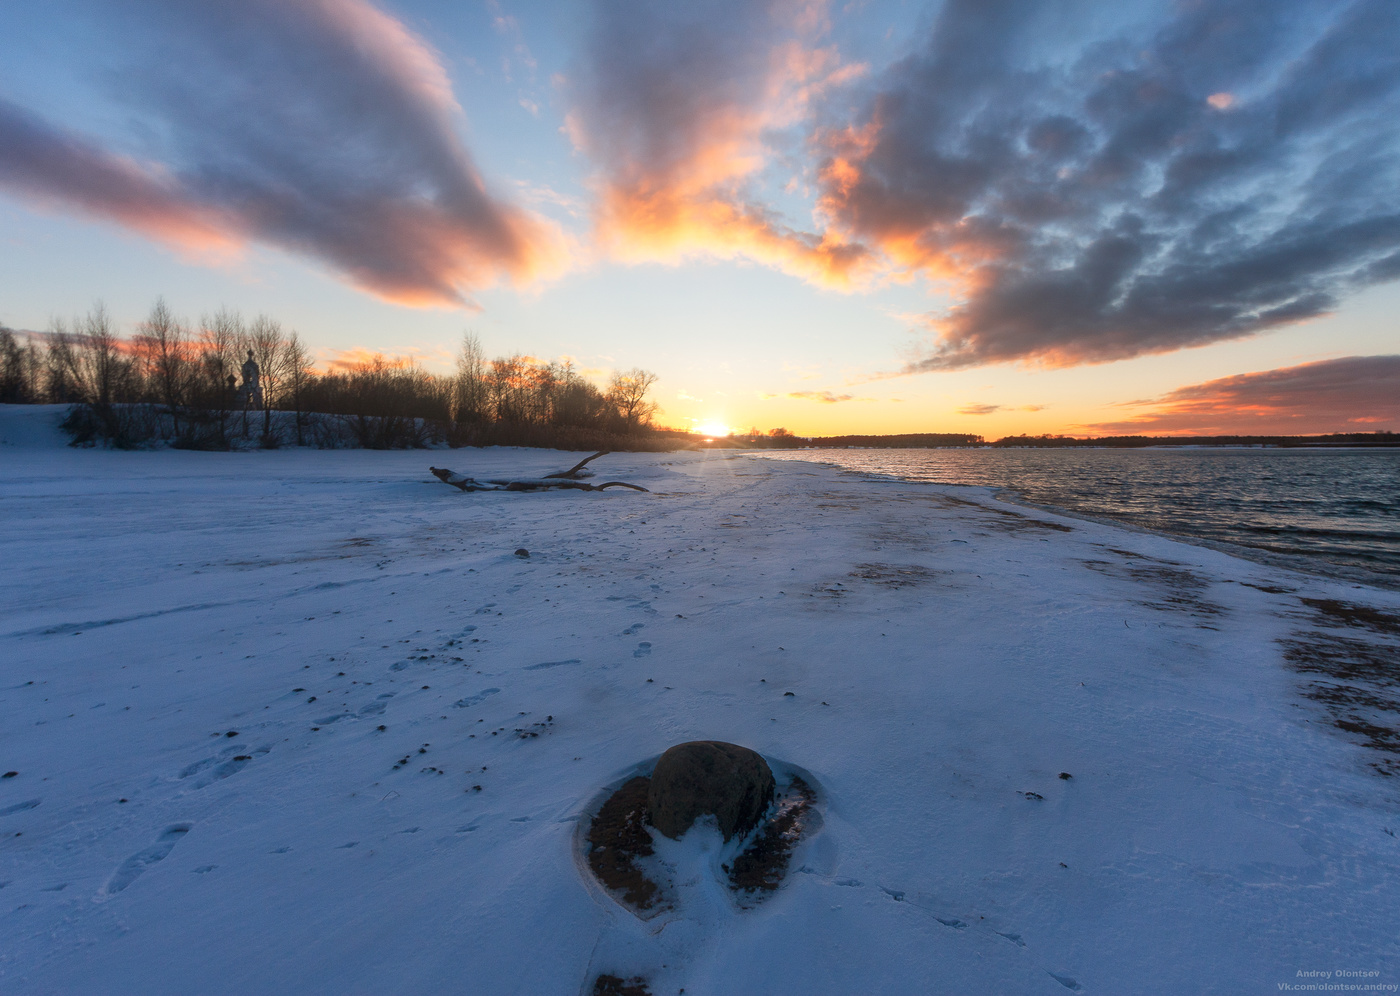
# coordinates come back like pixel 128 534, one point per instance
pixel 219 339
pixel 94 367
pixel 628 393
pixel 61 375
pixel 543 381
pixel 105 372
pixel 166 343
pixel 576 401
pixel 469 389
pixel 296 361
pixel 19 368
pixel 266 345
pixel 506 383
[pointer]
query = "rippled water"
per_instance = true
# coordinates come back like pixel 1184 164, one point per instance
pixel 1329 506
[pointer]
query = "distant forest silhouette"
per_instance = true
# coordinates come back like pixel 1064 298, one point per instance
pixel 186 386
pixel 1129 442
pixel 782 439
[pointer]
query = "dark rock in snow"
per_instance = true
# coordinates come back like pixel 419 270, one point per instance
pixel 614 985
pixel 709 776
pixel 616 837
pixel 762 865
pixel 523 553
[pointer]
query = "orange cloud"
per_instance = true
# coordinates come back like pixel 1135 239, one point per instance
pixel 638 225
pixel 822 397
pixel 681 138
pixel 339 361
pixel 1350 394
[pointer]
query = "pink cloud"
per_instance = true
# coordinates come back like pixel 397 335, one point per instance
pixel 323 127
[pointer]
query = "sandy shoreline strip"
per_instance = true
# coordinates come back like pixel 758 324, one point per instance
pixel 948 655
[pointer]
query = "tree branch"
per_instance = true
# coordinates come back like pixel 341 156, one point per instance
pixel 552 481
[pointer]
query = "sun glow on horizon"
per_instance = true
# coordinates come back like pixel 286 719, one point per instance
pixel 711 427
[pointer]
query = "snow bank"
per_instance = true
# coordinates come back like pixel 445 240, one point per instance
pixel 32 427
pixel 200 651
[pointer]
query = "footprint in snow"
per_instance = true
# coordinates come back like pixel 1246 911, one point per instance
pixel 642 650
pixel 132 868
pixel 213 769
pixel 549 664
pixel 954 923
pixel 472 700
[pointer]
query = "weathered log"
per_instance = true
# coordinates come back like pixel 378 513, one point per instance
pixel 458 481
pixel 542 483
pixel 527 483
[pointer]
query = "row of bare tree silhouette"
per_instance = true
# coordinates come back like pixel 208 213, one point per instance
pixel 188 384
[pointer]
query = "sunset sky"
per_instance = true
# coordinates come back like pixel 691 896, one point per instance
pixel 981 216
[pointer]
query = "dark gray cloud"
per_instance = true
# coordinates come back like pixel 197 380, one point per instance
pixel 323 127
pixel 1350 394
pixel 1225 171
pixel 662 85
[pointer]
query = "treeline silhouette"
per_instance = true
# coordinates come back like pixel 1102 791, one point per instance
pixel 1342 439
pixel 908 440
pixel 184 385
pixel 782 439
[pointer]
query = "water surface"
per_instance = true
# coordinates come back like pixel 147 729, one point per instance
pixel 1311 506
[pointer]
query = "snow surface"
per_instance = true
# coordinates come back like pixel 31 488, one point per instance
pixel 946 657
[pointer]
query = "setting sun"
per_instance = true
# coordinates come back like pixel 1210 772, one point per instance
pixel 712 428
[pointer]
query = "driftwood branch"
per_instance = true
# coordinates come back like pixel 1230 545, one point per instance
pixel 561 481
pixel 573 474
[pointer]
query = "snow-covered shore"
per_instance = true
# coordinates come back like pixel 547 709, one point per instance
pixel 948 655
